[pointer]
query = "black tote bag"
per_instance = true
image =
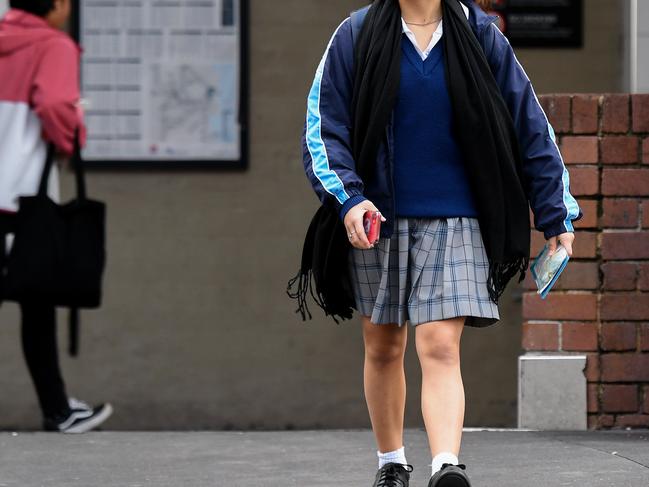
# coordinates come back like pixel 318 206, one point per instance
pixel 58 253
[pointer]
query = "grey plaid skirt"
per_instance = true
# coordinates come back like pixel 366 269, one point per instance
pixel 431 269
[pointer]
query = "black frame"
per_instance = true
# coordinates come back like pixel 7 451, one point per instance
pixel 240 164
pixel 573 14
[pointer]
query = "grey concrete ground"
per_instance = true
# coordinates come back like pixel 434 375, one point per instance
pixel 323 458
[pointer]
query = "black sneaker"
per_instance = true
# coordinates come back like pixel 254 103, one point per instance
pixel 82 418
pixel 79 407
pixel 393 475
pixel 450 476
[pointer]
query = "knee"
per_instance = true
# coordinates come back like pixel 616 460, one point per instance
pixel 386 351
pixel 440 352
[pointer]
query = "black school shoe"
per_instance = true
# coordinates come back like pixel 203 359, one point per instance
pixel 393 475
pixel 450 476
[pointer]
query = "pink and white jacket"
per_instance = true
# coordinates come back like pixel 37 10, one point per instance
pixel 39 102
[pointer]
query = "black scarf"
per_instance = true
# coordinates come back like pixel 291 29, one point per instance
pixel 483 128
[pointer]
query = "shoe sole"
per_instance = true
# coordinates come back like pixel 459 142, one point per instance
pixel 91 423
pixel 452 480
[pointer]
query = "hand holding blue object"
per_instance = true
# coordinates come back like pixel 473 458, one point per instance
pixel 547 268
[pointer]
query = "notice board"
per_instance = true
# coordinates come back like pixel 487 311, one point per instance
pixel 541 23
pixel 164 82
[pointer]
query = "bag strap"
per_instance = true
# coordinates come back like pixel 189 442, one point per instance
pixel 77 165
pixel 74 320
pixel 45 175
pixel 357 18
pixel 73 332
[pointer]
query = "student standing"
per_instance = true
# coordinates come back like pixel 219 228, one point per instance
pixel 425 115
pixel 39 105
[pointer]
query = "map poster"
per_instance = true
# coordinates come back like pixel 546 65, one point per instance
pixel 541 23
pixel 163 82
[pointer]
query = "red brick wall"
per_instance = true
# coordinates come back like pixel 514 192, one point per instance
pixel 600 305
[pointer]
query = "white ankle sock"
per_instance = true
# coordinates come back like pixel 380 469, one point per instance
pixel 442 458
pixel 396 456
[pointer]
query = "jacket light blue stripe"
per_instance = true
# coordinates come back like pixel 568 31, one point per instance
pixel 569 201
pixel 319 157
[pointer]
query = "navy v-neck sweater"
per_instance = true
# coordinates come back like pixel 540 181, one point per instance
pixel 429 175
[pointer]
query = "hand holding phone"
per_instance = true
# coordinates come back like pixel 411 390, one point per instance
pixel 359 222
pixel 372 225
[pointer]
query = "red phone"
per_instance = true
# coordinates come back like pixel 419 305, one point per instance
pixel 372 225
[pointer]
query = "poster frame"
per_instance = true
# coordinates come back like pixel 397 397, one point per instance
pixel 143 164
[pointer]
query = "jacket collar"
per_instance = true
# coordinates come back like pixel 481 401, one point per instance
pixel 478 18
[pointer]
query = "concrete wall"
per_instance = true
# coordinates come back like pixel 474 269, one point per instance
pixel 196 331
pixel 597 67
pixel 643 47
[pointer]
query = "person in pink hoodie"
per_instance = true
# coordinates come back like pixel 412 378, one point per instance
pixel 39 105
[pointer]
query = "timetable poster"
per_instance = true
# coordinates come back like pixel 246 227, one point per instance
pixel 161 81
pixel 541 23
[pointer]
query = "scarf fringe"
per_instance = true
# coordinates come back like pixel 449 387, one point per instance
pixel 500 273
pixel 305 286
pixel 303 280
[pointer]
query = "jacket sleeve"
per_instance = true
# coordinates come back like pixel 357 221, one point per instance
pixel 326 141
pixel 55 94
pixel 546 177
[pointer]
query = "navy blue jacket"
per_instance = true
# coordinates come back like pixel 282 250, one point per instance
pixel 326 141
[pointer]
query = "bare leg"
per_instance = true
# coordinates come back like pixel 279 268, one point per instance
pixel 442 392
pixel 385 382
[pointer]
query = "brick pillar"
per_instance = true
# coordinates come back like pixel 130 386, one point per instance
pixel 600 305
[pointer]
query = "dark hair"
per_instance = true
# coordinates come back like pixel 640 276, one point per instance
pixel 36 7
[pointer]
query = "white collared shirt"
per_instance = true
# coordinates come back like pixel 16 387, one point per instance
pixel 437 35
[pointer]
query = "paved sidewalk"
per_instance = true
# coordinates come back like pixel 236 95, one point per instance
pixel 327 458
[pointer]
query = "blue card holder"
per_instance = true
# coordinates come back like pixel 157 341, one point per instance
pixel 546 269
